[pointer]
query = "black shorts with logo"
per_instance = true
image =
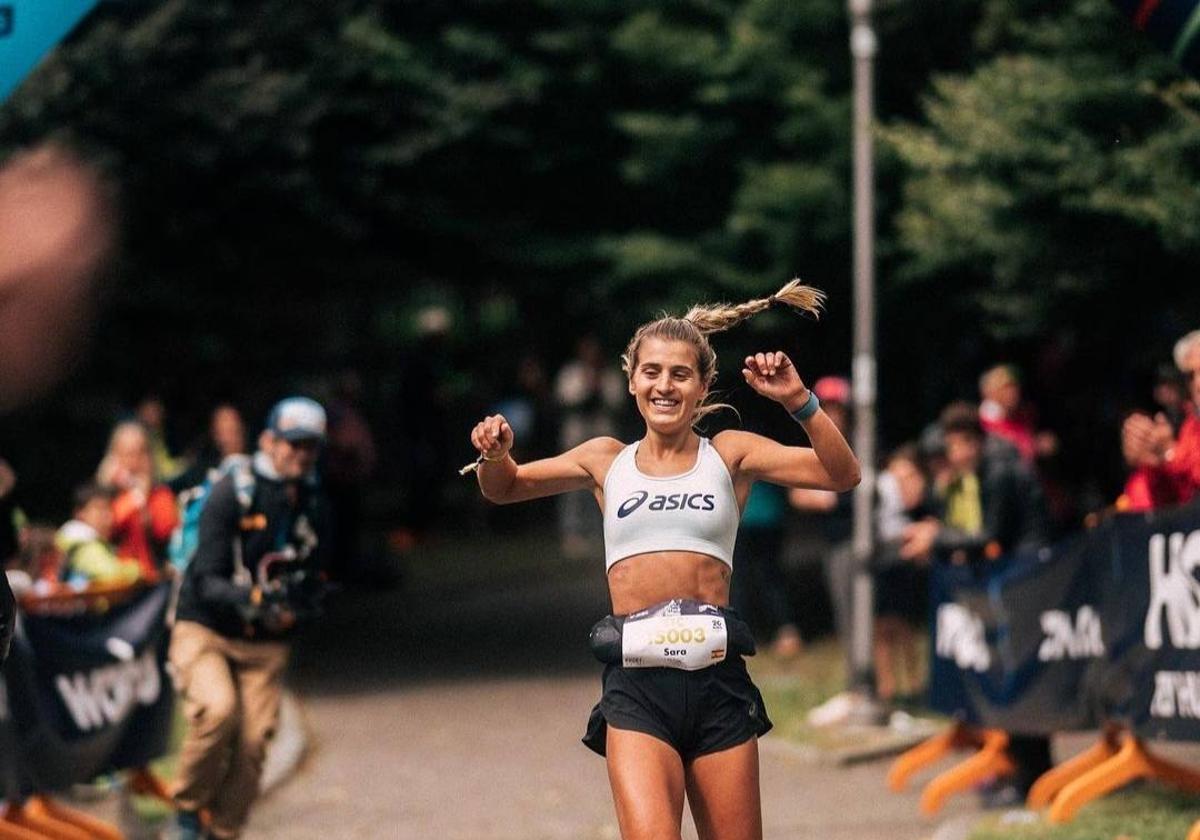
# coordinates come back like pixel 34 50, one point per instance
pixel 696 712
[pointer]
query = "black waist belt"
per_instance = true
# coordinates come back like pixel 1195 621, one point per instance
pixel 605 637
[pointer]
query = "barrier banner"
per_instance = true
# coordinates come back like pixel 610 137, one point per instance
pixel 28 30
pixel 1163 618
pixel 85 694
pixel 1102 626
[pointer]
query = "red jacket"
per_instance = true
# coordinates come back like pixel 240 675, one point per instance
pixel 141 530
pixel 1174 482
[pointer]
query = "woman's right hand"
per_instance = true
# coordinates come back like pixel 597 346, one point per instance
pixel 493 437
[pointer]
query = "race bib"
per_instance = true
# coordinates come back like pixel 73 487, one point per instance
pixel 683 634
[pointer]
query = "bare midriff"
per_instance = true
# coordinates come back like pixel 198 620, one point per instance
pixel 643 580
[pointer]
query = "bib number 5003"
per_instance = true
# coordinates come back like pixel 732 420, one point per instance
pixel 685 636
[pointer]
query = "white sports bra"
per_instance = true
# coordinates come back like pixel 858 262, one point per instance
pixel 693 511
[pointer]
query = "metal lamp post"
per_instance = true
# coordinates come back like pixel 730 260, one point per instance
pixel 863 46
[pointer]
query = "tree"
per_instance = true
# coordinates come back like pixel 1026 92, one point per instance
pixel 1051 203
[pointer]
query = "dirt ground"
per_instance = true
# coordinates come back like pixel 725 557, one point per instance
pixel 457 716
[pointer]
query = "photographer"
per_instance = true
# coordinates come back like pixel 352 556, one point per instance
pixel 254 575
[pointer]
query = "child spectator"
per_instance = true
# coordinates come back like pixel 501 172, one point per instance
pixel 900 587
pixel 87 555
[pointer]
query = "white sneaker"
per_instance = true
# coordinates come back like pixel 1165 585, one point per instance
pixel 837 709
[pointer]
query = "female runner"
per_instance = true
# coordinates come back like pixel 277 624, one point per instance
pixel 678 713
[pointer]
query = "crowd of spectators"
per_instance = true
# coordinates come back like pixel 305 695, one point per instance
pixel 257 567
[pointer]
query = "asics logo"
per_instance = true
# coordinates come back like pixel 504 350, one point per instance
pixel 632 503
pixel 675 501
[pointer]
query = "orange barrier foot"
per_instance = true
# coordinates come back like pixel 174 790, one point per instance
pixel 35 816
pixel 94 828
pixel 10 830
pixel 1055 779
pixel 958 736
pixel 1194 834
pixel 991 760
pixel 1131 762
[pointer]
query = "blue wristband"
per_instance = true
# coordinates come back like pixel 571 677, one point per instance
pixel 808 409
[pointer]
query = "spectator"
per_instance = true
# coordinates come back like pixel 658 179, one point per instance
pixel 349 462
pixel 989 505
pixel 529 408
pixel 759 588
pixel 527 401
pixel 589 394
pixel 1005 413
pixel 1166 465
pixel 1171 395
pixel 837 517
pixel 226 437
pixel 256 572
pixel 152 414
pixel 901 499
pixel 144 511
pixel 83 541
pixel 39 563
pixel 423 423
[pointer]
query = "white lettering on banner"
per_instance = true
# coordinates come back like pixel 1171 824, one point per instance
pixel 1082 639
pixel 1174 591
pixel 960 637
pixel 1176 695
pixel 105 695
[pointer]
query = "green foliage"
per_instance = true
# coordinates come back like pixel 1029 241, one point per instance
pixel 297 178
pixel 565 152
pixel 1060 168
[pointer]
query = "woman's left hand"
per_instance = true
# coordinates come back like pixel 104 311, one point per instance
pixel 773 375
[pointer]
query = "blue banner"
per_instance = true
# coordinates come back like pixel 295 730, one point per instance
pixel 1103 626
pixel 28 30
pixel 85 694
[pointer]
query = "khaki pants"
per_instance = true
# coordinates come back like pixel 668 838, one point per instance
pixel 231 690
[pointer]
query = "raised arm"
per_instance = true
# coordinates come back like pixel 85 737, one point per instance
pixel 503 481
pixel 828 465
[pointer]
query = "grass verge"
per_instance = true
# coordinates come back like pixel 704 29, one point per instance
pixel 1146 812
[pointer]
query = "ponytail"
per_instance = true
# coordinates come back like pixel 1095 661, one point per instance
pixel 716 317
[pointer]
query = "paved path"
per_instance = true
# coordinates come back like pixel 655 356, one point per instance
pixel 459 717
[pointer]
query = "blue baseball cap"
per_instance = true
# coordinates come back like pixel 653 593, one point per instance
pixel 297 418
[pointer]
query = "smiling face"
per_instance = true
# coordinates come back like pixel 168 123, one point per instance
pixel 667 384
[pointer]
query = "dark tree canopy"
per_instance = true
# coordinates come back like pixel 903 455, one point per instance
pixel 298 180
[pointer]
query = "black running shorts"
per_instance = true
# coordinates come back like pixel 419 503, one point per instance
pixel 696 712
